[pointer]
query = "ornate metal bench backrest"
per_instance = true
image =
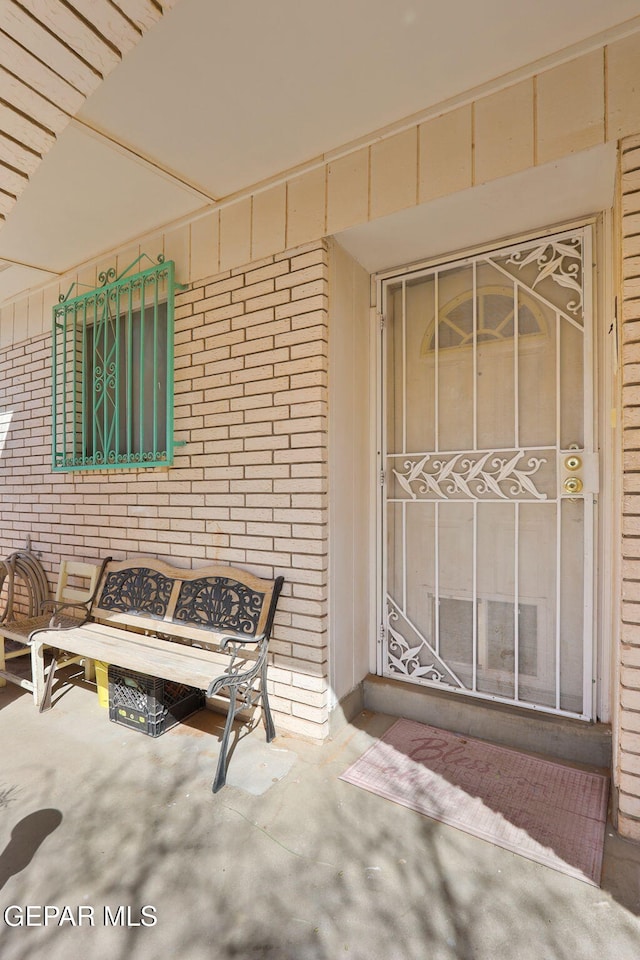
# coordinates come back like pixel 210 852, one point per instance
pixel 136 590
pixel 192 604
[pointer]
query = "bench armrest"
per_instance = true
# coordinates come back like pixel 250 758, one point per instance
pixel 233 675
pixel 57 606
pixel 237 638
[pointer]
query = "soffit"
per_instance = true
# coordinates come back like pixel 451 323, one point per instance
pixel 218 97
pixel 231 94
pixel 52 56
pixel 95 198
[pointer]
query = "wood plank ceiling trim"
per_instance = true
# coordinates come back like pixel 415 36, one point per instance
pixel 53 54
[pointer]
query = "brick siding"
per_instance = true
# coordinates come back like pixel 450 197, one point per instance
pixel 249 487
pixel 628 759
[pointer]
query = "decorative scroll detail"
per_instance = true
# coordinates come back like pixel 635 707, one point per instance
pixel 472 476
pixel 559 259
pixel 221 603
pixel 99 460
pixel 405 660
pixel 137 590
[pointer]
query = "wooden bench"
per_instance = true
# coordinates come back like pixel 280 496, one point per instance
pixel 207 628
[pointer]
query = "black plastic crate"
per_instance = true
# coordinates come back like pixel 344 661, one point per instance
pixel 150 704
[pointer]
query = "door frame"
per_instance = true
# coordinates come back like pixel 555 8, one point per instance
pixel 599 603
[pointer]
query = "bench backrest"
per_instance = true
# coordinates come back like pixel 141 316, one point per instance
pixel 200 605
pixel 75 571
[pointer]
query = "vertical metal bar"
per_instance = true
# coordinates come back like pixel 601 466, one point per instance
pixel 436 344
pixel 64 386
pixel 516 518
pixel 169 370
pixel 74 387
pixel 436 524
pixel 475 502
pixel 516 365
pixel 54 389
pixel 141 368
pixel 404 557
pixel 86 406
pixel 558 515
pixel 129 371
pixel 404 366
pixel 155 368
pixel 516 602
pixel 404 440
pixel 588 500
pixel 475 357
pixel 383 547
pixel 95 402
pixel 475 596
pixel 105 394
pixel 116 406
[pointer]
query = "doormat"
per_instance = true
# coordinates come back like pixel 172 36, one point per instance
pixel 548 812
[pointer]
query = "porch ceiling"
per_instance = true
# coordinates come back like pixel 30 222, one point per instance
pixel 217 97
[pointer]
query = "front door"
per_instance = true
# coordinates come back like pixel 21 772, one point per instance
pixel 489 475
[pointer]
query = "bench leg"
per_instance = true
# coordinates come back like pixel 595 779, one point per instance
pixel 266 709
pixel 221 771
pixel 37 672
pixel 3 663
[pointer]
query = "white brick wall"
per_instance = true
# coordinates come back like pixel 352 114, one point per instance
pixel 250 485
pixel 628 759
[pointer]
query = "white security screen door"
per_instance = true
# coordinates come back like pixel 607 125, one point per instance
pixel 489 475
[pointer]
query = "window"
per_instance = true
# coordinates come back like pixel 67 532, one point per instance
pixel 113 373
pixel 494 319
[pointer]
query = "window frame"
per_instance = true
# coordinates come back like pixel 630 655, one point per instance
pixel 108 310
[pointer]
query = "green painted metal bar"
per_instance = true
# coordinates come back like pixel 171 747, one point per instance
pixel 155 367
pixel 54 390
pixel 74 375
pixel 103 451
pixel 91 423
pixel 141 370
pixel 95 405
pixel 64 388
pixel 116 418
pixel 84 382
pixel 170 360
pixel 129 372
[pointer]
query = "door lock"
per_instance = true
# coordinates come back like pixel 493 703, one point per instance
pixel 573 462
pixel 572 484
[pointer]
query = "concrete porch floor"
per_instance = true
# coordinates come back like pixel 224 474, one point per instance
pixel 286 862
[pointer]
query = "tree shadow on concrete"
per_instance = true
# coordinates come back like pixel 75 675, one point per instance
pixel 8 795
pixel 313 870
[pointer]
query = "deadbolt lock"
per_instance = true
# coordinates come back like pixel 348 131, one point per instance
pixel 572 484
pixel 573 462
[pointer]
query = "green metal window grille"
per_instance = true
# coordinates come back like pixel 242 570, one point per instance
pixel 112 403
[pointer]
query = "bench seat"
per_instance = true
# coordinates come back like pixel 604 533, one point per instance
pixel 151 655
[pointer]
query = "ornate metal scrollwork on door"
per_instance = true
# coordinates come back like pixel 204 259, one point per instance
pixel 561 260
pixel 472 476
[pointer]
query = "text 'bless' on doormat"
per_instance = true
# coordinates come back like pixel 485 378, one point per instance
pixel 545 811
